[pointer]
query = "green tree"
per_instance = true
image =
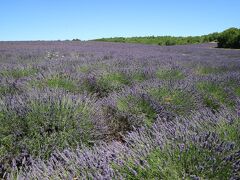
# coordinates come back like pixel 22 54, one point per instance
pixel 229 38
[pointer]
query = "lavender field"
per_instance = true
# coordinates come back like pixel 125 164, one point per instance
pixel 101 110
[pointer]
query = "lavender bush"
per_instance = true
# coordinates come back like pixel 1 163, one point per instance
pixel 98 110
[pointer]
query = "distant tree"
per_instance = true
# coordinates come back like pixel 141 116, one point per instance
pixel 170 42
pixel 213 37
pixel 229 38
pixel 76 39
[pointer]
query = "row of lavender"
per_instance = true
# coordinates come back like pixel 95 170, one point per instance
pixel 104 111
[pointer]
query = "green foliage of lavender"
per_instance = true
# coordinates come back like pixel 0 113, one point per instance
pixel 112 81
pixel 188 161
pixel 214 95
pixel 62 82
pixel 18 73
pixel 42 125
pixel 175 100
pixel 170 74
pixel 137 106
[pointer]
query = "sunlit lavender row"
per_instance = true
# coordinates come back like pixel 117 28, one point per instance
pixel 95 110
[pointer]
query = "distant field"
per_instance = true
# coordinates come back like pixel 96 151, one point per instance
pixel 102 110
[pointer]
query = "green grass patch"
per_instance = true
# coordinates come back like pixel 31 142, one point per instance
pixel 214 95
pixel 173 163
pixel 18 73
pixel 211 70
pixel 84 69
pixel 46 126
pixel 4 90
pixel 229 131
pixel 88 86
pixel 112 81
pixel 137 106
pixel 237 91
pixel 9 89
pixel 205 70
pixel 57 82
pixel 62 82
pixel 139 77
pixel 177 101
pixel 172 74
pixel 101 66
pixel 234 84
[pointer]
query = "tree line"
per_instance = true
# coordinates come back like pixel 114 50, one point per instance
pixel 229 38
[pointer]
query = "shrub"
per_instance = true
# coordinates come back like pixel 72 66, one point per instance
pixel 174 100
pixel 229 38
pixel 43 125
pixel 111 82
pixel 139 107
pixel 214 95
pixel 170 42
pixel 182 160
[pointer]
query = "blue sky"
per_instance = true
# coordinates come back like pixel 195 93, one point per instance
pixel 89 19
